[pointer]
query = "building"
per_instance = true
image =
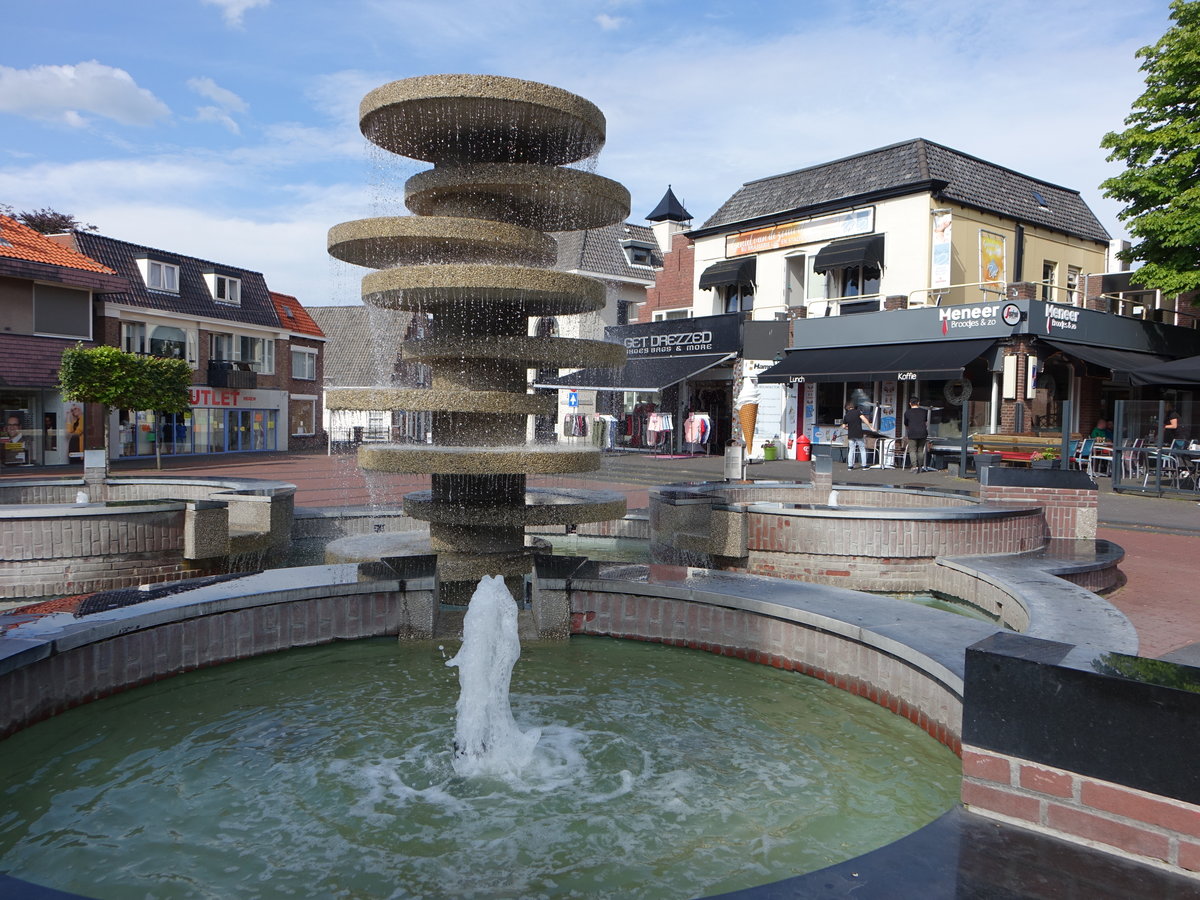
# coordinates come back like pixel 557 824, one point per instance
pixel 918 270
pixel 223 321
pixel 46 306
pixel 305 373
pixel 363 351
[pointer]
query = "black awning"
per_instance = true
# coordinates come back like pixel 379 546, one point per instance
pixel 878 362
pixel 1184 372
pixel 638 374
pixel 730 271
pixel 1124 361
pixel 851 252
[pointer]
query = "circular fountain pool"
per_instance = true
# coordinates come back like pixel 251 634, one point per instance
pixel 327 772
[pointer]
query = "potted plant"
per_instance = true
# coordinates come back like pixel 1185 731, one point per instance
pixel 1046 458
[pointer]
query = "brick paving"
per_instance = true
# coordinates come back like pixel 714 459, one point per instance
pixel 1161 537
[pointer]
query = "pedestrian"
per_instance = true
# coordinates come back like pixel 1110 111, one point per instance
pixel 916 429
pixel 855 421
pixel 1171 429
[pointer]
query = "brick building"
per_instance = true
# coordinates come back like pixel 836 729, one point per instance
pixel 46 306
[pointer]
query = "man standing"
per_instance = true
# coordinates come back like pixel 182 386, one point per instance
pixel 916 429
pixel 855 420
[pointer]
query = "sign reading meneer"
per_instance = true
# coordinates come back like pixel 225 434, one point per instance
pixel 997 319
pixel 678 337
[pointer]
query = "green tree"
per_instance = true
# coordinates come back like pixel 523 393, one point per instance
pixel 46 221
pixel 119 380
pixel 1161 152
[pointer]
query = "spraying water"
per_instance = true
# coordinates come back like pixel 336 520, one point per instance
pixel 486 738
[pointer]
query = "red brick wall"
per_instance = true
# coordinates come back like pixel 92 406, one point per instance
pixel 1069 514
pixel 673 285
pixel 1081 808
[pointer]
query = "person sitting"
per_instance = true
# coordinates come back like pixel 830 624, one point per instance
pixel 1102 431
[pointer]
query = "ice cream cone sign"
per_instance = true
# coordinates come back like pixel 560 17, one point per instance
pixel 747 410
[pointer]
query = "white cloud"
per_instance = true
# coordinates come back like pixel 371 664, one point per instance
pixel 219 116
pixel 66 94
pixel 609 23
pixel 223 98
pixel 233 11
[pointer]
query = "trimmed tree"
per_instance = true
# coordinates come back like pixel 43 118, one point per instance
pixel 1161 152
pixel 119 380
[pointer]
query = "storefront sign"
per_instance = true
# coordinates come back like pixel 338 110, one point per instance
pixel 808 231
pixel 678 337
pixel 233 398
pixel 1061 318
pixel 975 315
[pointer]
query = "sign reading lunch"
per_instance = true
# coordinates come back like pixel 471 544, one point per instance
pixel 678 337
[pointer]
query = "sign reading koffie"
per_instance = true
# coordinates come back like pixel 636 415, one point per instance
pixel 678 337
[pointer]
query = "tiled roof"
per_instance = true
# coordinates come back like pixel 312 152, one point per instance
pixel 362 344
pixel 915 166
pixel 194 298
pixel 293 316
pixel 599 252
pixel 22 242
pixel 27 361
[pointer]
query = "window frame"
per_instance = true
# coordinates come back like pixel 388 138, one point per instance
pixel 1049 280
pixel 311 355
pixel 228 286
pixel 136 331
pixel 155 270
pixel 264 365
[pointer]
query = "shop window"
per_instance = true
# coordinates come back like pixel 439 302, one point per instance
pixel 259 352
pixel 220 346
pixel 796 272
pixel 304 364
pixel 738 297
pixel 303 415
pixel 1049 280
pixel 168 341
pixel 62 311
pixel 133 337
pixel 858 281
pixel 1073 275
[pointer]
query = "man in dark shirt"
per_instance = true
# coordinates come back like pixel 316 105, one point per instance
pixel 855 420
pixel 916 429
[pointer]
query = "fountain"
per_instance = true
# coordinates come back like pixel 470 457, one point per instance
pixel 473 261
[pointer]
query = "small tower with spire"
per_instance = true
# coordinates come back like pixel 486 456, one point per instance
pixel 668 219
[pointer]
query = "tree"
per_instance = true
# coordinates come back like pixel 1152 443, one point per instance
pixel 1161 151
pixel 47 221
pixel 119 380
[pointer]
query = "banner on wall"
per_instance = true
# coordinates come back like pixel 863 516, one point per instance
pixel 939 270
pixel 992 270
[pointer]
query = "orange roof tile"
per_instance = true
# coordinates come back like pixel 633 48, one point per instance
pixel 295 317
pixel 22 242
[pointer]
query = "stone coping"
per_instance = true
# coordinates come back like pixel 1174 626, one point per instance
pixel 1057 610
pixel 24 640
pixel 918 513
pixel 243 487
pixel 120 508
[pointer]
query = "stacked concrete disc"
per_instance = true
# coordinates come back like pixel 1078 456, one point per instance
pixel 475 259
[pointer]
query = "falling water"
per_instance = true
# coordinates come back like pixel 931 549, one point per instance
pixel 486 738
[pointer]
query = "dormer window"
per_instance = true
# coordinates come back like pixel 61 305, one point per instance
pixel 639 253
pixel 159 276
pixel 224 288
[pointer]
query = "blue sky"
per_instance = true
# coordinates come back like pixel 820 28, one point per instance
pixel 227 129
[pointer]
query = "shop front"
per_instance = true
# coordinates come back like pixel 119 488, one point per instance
pixel 673 395
pixel 1019 366
pixel 220 420
pixel 40 429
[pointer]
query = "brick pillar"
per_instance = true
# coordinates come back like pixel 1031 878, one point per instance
pixel 1069 499
pixel 896 301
